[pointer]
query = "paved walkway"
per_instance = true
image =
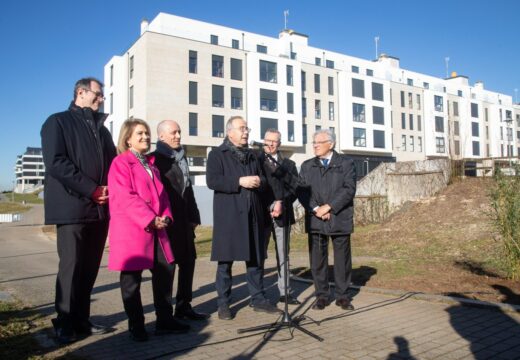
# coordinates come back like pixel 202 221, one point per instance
pixel 381 327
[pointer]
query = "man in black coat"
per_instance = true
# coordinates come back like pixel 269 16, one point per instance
pixel 331 181
pixel 171 161
pixel 77 152
pixel 235 175
pixel 278 200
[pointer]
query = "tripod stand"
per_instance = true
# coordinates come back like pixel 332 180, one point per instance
pixel 286 321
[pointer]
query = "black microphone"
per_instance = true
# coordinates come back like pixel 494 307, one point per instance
pixel 256 143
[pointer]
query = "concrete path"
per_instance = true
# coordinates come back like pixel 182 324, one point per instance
pixel 381 327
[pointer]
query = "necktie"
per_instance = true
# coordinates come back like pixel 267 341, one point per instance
pixel 325 162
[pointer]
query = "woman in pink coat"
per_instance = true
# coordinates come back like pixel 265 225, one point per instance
pixel 139 213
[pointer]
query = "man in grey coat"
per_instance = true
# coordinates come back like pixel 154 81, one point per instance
pixel 233 172
pixel 331 180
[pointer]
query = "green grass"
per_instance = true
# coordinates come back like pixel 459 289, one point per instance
pixel 31 198
pixel 12 208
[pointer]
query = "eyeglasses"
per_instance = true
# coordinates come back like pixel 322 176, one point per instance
pixel 99 94
pixel 243 129
pixel 320 142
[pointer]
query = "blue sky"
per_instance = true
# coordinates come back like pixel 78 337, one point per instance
pixel 47 45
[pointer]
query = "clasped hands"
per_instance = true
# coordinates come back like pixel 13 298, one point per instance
pixel 323 212
pixel 249 182
pixel 100 195
pixel 160 222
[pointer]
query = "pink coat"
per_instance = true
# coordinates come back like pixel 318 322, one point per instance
pixel 134 202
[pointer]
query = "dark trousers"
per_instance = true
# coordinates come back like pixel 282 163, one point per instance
pixel 254 278
pixel 184 283
pixel 80 249
pixel 162 284
pixel 318 253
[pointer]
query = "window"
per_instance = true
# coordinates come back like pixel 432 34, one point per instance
pixel 403 142
pixel 236 69
pixel 476 148
pixel 509 115
pixel 304 107
pixel 214 39
pixel 317 127
pixel 517 135
pixel 268 71
pixel 439 124
pixel 360 137
pixel 193 122
pixel 410 100
pixel 402 98
pixel 426 85
pixel 111 75
pixel 261 49
pixel 193 93
pixel 370 72
pixel 474 110
pixel 438 102
pixel 355 69
pixel 290 103
pixel 501 133
pixel 418 101
pixel 131 67
pixel 193 62
pixel 317 83
pixel 377 91
pixel 267 123
pixel 474 129
pixel 419 143
pixel 235 44
pixel 268 100
pixel 290 130
pixel 410 118
pixel 217 66
pixel 293 55
pixel 317 109
pixel 409 82
pixel 236 98
pixel 455 108
pixel 217 126
pixel 439 145
pixel 331 111
pixel 419 123
pixel 456 128
pixel 459 93
pixel 289 74
pixel 304 133
pixel 403 121
pixel 331 128
pixel 331 85
pixel 111 104
pixel 486 114
pixel 329 64
pixel 518 120
pixel 317 61
pixel 304 81
pixel 358 112
pixel 412 143
pixel 509 134
pixel 131 98
pixel 456 145
pixel 217 97
pixel 378 115
pixel 379 139
pixel 358 88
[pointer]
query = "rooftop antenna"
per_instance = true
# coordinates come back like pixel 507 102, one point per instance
pixel 447 60
pixel 376 39
pixel 285 15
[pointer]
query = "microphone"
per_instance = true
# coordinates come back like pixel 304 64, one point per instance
pixel 256 143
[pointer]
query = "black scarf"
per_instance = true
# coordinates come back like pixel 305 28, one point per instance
pixel 238 152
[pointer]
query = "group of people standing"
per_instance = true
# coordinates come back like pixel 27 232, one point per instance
pixel 146 205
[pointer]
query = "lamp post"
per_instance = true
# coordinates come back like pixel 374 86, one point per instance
pixel 509 121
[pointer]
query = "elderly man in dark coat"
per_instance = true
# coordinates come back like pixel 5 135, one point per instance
pixel 331 179
pixel 233 172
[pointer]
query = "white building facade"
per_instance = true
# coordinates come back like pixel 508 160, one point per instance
pixel 29 171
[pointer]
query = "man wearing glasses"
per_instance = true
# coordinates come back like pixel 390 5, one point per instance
pixel 77 152
pixel 331 180
pixel 234 173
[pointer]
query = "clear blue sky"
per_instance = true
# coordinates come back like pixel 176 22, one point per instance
pixel 47 45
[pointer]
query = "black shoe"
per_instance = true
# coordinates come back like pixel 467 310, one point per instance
pixel 138 333
pixel 290 300
pixel 64 334
pixel 171 326
pixel 345 304
pixel 224 313
pixel 187 312
pixel 88 328
pixel 266 307
pixel 320 303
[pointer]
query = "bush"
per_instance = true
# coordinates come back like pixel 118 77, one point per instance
pixel 505 215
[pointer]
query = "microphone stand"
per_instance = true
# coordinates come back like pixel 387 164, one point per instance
pixel 286 321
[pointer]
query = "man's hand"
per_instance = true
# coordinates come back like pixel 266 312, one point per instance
pixel 100 195
pixel 161 222
pixel 277 209
pixel 322 211
pixel 249 182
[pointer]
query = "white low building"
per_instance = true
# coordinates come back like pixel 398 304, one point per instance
pixel 29 171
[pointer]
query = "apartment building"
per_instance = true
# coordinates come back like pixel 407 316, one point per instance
pixel 200 74
pixel 29 170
